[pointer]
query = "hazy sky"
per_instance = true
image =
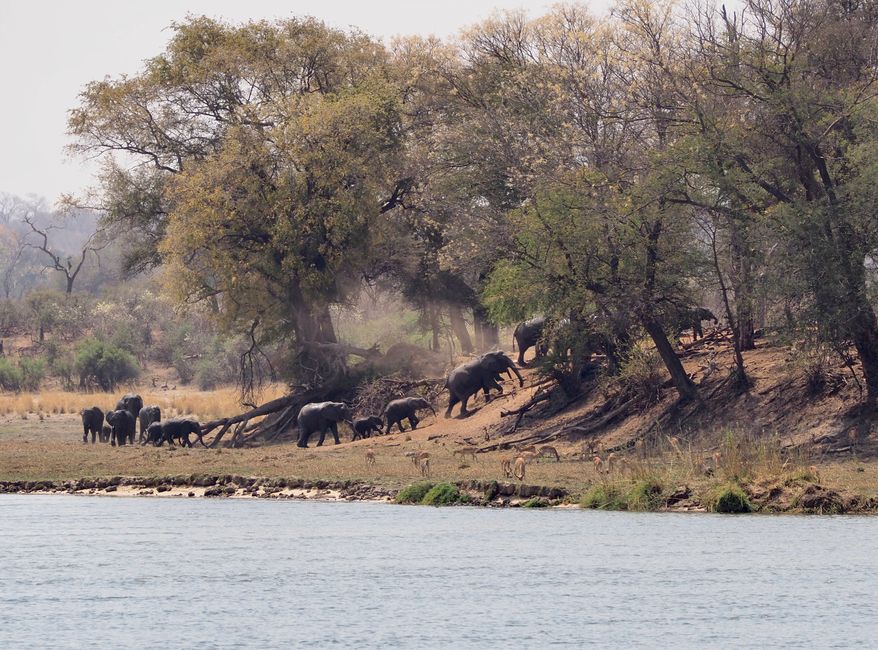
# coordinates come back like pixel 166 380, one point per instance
pixel 50 50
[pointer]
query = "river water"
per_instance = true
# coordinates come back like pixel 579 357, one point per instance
pixel 90 572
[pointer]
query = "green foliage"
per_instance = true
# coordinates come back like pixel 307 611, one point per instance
pixel 729 498
pixel 32 373
pixel 10 375
pixel 645 494
pixel 414 493
pixel 535 502
pixel 102 364
pixel 444 494
pixel 604 496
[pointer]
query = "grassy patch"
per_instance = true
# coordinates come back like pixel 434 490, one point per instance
pixel 729 498
pixel 645 494
pixel 604 496
pixel 535 502
pixel 414 493
pixel 444 494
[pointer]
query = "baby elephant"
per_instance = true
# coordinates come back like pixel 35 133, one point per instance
pixel 92 422
pixel 147 415
pixel 365 427
pixel 177 430
pixel 405 408
pixel 122 427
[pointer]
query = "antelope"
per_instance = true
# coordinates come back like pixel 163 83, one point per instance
pixel 597 463
pixel 419 456
pixel 518 468
pixel 610 460
pixel 506 467
pixel 370 456
pixel 548 450
pixel 424 465
pixel 466 451
pixel 716 459
pixel 675 443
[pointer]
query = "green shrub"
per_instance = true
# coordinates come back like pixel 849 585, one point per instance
pixel 101 363
pixel 443 494
pixel 535 502
pixel 10 375
pixel 32 373
pixel 645 495
pixel 414 493
pixel 604 497
pixel 729 498
pixel 184 368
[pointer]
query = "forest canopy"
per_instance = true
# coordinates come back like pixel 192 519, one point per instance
pixel 615 171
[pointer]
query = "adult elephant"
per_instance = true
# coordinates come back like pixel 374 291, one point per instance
pixel 479 374
pixel 131 403
pixel 92 422
pixel 528 335
pixel 692 318
pixel 317 417
pixel 147 415
pixel 405 408
pixel 122 427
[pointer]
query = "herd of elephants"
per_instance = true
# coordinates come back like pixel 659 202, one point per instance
pixel 466 380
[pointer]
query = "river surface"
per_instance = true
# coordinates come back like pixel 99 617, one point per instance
pixel 91 572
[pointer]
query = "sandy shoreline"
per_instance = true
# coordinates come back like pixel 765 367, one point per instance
pixel 240 487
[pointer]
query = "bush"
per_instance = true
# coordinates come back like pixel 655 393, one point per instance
pixel 103 364
pixel 413 493
pixel 184 368
pixel 603 497
pixel 443 494
pixel 10 375
pixel 729 498
pixel 645 495
pixel 32 373
pixel 535 502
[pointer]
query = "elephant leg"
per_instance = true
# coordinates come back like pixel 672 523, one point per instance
pixel 413 420
pixel 94 434
pixel 521 356
pixel 452 400
pixel 322 436
pixel 304 434
pixel 463 402
pixel 333 426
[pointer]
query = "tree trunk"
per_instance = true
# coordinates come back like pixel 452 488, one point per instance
pixel 70 280
pixel 487 334
pixel 685 388
pixel 742 285
pixel 458 325
pixel 434 327
pixel 864 332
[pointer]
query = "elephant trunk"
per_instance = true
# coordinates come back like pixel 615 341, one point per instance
pixel 518 374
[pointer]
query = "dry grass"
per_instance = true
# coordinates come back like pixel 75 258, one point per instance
pixel 204 405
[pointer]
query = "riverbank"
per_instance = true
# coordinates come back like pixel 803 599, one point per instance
pixel 794 494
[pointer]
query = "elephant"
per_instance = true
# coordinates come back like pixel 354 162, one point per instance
pixel 405 408
pixel 170 430
pixel 527 335
pixel 131 403
pixel 466 380
pixel 691 319
pixel 365 427
pixel 106 433
pixel 147 415
pixel 320 416
pixel 122 425
pixel 92 422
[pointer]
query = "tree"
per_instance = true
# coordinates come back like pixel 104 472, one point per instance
pixel 275 158
pixel 802 72
pixel 70 265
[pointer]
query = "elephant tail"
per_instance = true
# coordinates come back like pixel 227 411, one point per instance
pixel 515 335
